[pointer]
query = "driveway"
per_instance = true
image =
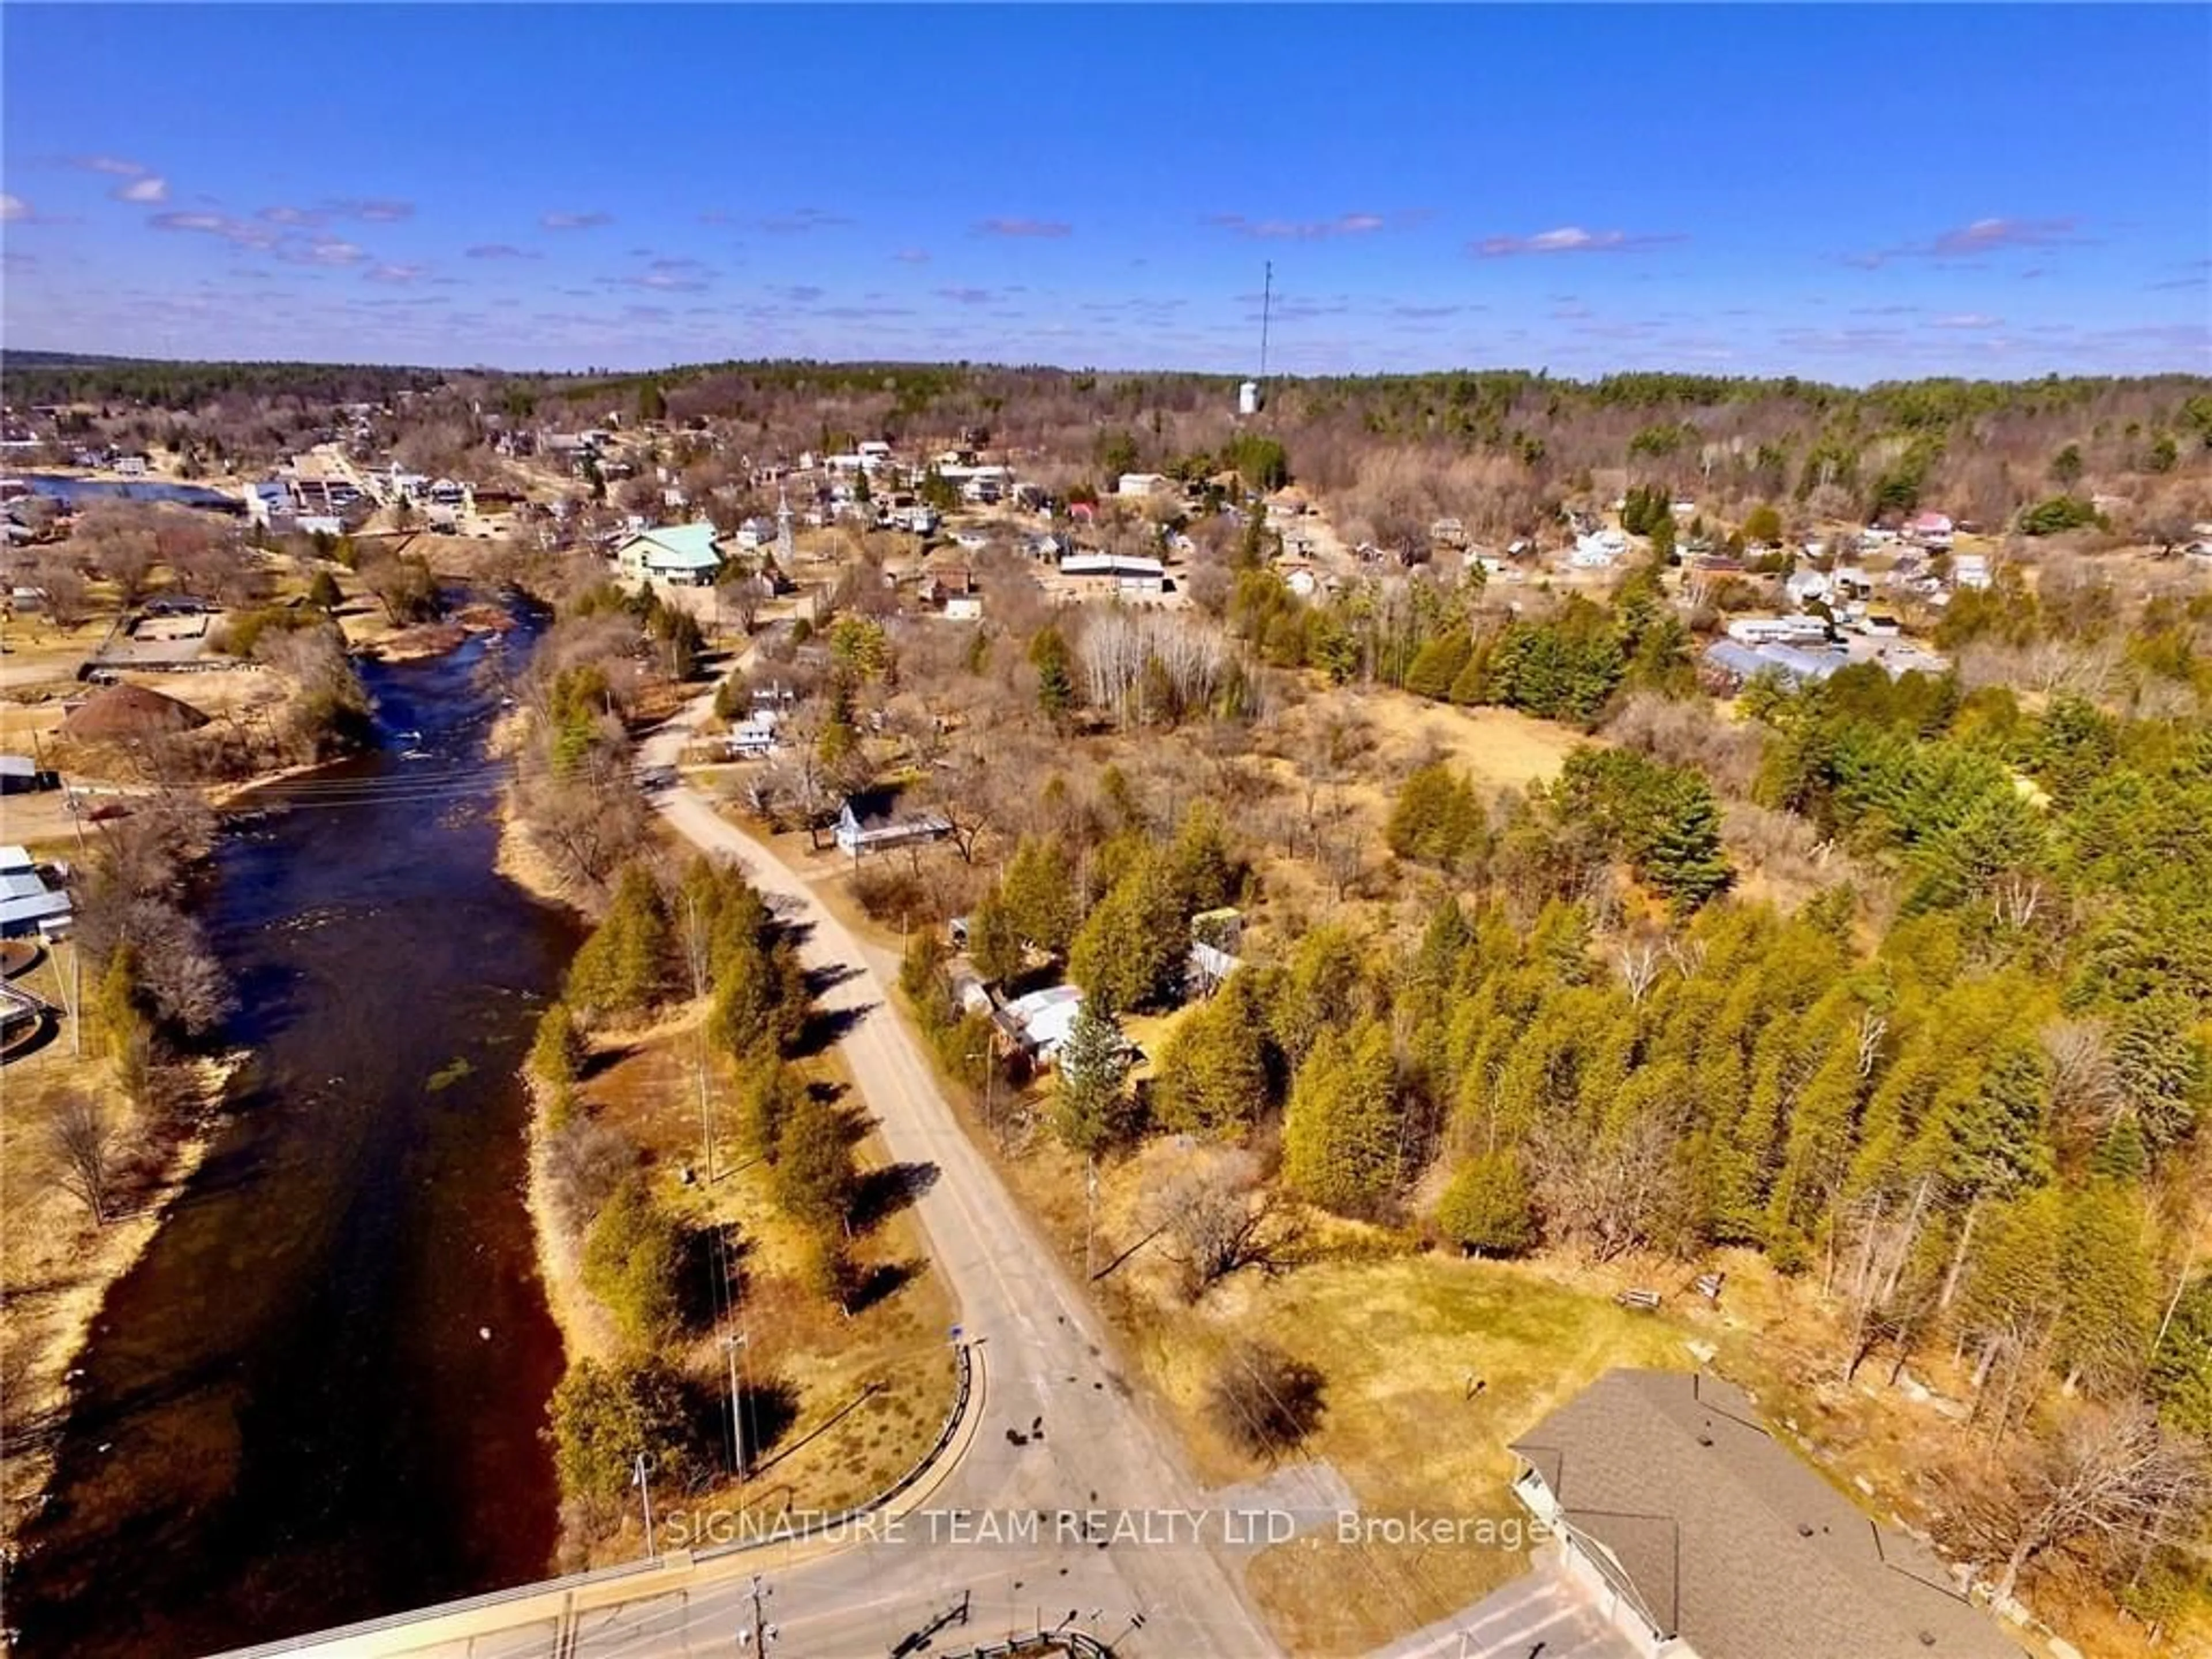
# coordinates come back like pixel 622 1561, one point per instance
pixel 1542 1615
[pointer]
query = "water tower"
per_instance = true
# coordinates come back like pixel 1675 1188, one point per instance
pixel 1250 398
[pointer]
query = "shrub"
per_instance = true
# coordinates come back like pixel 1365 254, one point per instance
pixel 603 1416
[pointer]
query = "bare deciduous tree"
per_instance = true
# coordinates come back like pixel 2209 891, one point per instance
pixel 2110 1481
pixel 1217 1219
pixel 84 1145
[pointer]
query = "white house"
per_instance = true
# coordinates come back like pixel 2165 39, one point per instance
pixel 1804 586
pixel 683 556
pixel 1969 570
pixel 1043 1019
pixel 1765 630
pixel 1930 530
pixel 870 821
pixel 1139 483
pixel 963 608
pixel 1599 552
pixel 756 533
pixel 754 738
pixel 1124 572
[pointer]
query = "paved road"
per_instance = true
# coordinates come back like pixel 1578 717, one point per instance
pixel 1046 1358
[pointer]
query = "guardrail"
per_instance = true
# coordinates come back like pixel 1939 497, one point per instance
pixel 1081 1643
pixel 962 1395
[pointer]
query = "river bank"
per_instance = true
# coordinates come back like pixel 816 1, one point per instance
pixel 56 1264
pixel 316 1394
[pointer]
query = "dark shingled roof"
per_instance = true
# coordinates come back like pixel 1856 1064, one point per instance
pixel 131 711
pixel 1728 1540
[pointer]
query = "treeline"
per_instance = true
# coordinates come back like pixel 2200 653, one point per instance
pixel 1443 642
pixel 576 797
pixel 154 992
pixel 56 378
pixel 698 936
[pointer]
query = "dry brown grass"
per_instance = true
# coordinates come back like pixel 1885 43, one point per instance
pixel 56 1266
pixel 871 1390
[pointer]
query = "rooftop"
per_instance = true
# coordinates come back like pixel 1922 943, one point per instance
pixel 1728 1540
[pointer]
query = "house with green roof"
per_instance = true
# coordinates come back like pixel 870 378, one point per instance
pixel 683 556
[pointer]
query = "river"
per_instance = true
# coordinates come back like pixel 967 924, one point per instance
pixel 81 492
pixel 317 1397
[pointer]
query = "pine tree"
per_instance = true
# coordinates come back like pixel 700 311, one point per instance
pixel 1684 861
pixel 1214 1071
pixel 1202 868
pixel 1340 1131
pixel 1438 663
pixel 1048 655
pixel 623 968
pixel 2107 1303
pixel 1132 950
pixel 994 944
pixel 814 1177
pixel 1485 1209
pixel 1041 895
pixel 1090 1103
pixel 2181 1369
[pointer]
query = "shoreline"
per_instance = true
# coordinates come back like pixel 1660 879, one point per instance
pixel 40 1391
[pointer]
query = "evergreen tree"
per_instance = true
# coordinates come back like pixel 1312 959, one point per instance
pixel 1203 869
pixel 1090 1103
pixel 605 1416
pixel 1684 859
pixel 1341 1130
pixel 814 1177
pixel 633 1254
pixel 2181 1369
pixel 1041 895
pixel 1438 663
pixel 994 944
pixel 1048 655
pixel 2162 1066
pixel 557 1053
pixel 1132 950
pixel 2107 1303
pixel 1485 1209
pixel 1214 1073
pixel 623 968
pixel 1437 819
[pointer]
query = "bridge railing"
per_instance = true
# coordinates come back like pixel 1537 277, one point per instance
pixel 963 1389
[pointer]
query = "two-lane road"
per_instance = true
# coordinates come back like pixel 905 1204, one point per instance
pixel 1048 1359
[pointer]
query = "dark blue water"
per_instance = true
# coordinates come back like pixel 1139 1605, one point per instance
pixel 80 491
pixel 289 1418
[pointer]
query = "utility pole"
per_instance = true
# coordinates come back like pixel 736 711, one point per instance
pixel 1089 1212
pixel 640 1477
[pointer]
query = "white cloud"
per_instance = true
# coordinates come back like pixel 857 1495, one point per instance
pixel 147 190
pixel 14 210
pixel 1571 239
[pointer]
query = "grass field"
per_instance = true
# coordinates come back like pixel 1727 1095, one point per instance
pixel 1401 1344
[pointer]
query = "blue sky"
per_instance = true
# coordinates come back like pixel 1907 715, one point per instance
pixel 1842 192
